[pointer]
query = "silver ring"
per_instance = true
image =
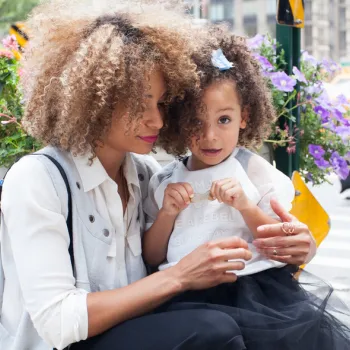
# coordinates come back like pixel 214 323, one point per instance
pixel 288 228
pixel 274 252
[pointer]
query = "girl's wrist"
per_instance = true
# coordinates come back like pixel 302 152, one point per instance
pixel 163 214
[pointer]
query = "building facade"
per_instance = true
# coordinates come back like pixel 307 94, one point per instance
pixel 327 22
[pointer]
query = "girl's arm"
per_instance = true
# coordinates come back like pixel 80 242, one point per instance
pixel 177 196
pixel 255 217
pixel 156 238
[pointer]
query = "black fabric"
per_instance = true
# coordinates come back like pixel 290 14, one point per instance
pixel 69 216
pixel 173 330
pixel 275 311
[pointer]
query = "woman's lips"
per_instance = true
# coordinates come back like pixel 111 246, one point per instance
pixel 211 152
pixel 149 139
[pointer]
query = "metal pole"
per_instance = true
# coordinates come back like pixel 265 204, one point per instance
pixel 289 39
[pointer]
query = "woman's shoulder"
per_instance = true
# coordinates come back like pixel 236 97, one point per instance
pixel 146 163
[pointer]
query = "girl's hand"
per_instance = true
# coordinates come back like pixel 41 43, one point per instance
pixel 230 192
pixel 207 265
pixel 177 197
pixel 289 242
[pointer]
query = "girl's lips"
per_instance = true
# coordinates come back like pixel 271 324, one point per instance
pixel 149 139
pixel 211 152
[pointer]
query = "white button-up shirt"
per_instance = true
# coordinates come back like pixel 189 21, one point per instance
pixel 43 305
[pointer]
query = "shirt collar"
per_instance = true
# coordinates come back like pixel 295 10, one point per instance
pixel 94 174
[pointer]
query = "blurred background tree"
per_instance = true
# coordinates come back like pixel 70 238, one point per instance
pixel 12 11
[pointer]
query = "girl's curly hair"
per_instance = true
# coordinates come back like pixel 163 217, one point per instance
pixel 182 122
pixel 83 61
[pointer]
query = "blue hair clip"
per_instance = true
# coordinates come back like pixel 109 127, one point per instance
pixel 219 60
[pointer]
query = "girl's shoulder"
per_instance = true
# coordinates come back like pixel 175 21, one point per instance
pixel 258 169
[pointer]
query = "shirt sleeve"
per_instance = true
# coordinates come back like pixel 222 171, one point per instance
pixel 39 239
pixel 270 183
pixel 150 205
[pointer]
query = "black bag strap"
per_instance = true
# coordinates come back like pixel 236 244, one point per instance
pixel 69 217
pixel 69 220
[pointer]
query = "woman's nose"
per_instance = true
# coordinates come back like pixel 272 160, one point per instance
pixel 154 119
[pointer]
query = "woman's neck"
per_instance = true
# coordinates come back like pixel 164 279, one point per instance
pixel 111 160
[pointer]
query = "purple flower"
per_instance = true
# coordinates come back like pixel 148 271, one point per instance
pixel 343 132
pixel 255 42
pixel 264 62
pixel 338 115
pixel 316 151
pixel 308 58
pixel 339 165
pixel 323 113
pixel 330 66
pixel 299 75
pixel 321 163
pixel 283 82
pixel 10 43
pixel 342 99
pixel 315 89
pixel 309 177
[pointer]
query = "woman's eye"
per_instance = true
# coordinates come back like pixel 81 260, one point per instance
pixel 161 105
pixel 224 120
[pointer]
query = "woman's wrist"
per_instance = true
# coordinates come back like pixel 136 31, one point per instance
pixel 176 274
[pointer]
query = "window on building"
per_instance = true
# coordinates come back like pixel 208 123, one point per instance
pixel 250 7
pixel 342 41
pixel 308 37
pixel 308 10
pixel 342 18
pixel 271 25
pixel 221 11
pixel 271 7
pixel 250 24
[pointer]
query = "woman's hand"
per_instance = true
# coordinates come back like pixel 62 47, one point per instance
pixel 207 265
pixel 289 242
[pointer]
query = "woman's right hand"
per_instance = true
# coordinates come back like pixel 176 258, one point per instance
pixel 208 265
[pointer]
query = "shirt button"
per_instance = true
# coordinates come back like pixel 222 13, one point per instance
pixel 141 177
pixel 91 218
pixel 105 232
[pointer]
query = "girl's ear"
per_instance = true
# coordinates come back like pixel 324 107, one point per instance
pixel 245 117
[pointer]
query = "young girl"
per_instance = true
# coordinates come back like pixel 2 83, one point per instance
pixel 222 189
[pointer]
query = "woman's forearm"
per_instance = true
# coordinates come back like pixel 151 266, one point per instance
pixel 109 308
pixel 155 240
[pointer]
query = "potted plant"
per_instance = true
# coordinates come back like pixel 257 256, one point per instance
pixel 324 123
pixel 14 142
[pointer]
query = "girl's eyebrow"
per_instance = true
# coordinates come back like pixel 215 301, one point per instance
pixel 225 109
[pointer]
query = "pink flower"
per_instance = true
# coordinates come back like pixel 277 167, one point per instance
pixel 10 43
pixel 6 53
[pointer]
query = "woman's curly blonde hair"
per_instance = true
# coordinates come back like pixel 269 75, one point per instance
pixel 182 122
pixel 86 59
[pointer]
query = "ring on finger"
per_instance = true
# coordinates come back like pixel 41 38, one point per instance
pixel 274 252
pixel 288 228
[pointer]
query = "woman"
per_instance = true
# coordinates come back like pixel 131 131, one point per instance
pixel 97 90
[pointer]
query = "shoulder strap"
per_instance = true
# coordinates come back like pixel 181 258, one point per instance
pixel 69 217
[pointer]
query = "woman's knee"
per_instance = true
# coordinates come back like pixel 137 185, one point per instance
pixel 217 330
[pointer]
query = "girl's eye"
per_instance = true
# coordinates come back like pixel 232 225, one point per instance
pixel 224 120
